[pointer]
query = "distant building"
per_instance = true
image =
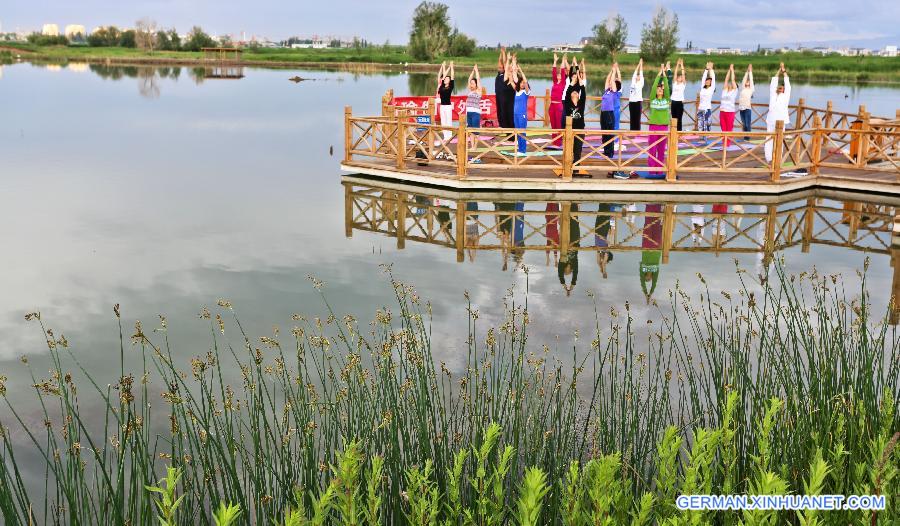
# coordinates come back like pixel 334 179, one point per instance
pixel 724 51
pixel 50 30
pixel 568 48
pixel 859 52
pixel 73 30
pixel 889 51
pixel 631 49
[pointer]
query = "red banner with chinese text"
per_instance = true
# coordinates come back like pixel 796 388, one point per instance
pixel 488 106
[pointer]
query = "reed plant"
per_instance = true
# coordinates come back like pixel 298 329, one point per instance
pixel 786 385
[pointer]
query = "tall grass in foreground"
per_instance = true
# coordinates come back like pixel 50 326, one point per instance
pixel 787 388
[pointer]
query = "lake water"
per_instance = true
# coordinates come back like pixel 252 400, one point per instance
pixel 163 191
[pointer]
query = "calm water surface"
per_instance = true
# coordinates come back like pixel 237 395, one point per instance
pixel 163 191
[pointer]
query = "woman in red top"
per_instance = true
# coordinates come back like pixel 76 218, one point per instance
pixel 556 95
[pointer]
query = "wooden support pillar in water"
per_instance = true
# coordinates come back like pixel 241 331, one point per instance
pixel 565 215
pixel 829 109
pixel 348 210
pixel 462 153
pixel 401 143
pixel 808 221
pixel 460 231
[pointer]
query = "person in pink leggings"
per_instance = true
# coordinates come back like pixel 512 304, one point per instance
pixel 727 109
pixel 556 95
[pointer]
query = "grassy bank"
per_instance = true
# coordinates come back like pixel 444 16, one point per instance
pixel 790 389
pixel 801 65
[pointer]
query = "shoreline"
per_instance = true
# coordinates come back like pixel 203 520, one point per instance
pixel 36 56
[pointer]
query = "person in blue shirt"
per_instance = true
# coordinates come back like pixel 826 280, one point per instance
pixel 520 108
pixel 608 104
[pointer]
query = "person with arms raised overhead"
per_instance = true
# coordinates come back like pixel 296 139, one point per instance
pixel 727 105
pixel 520 108
pixel 574 107
pixel 636 96
pixel 779 99
pixel 704 108
pixel 557 95
pixel 745 103
pixel 678 86
pixel 611 93
pixel 473 106
pixel 504 92
pixel 445 92
pixel 660 111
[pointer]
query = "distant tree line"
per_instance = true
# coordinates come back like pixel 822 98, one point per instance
pixel 145 35
pixel 659 38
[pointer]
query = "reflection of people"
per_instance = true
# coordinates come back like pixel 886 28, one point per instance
pixel 443 216
pixel 721 210
pixel 603 224
pixel 779 98
pixel 568 264
pixel 698 222
pixel 551 231
pixel 472 229
pixel 504 228
pixel 651 243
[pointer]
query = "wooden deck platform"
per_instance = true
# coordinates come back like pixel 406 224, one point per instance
pixel 821 149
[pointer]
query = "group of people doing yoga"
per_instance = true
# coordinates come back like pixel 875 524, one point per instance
pixel 568 99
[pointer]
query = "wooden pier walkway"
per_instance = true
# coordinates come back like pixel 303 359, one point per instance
pixel 818 148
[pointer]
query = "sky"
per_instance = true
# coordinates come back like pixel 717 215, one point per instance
pixel 707 23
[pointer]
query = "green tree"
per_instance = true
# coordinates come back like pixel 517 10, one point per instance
pixel 174 40
pixel 609 38
pixel 659 38
pixel 128 39
pixel 430 35
pixel 105 37
pixel 461 45
pixel 197 40
pixel 47 40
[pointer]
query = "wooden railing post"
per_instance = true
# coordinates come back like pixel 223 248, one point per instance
pixel 401 143
pixel 777 143
pixel 672 152
pixel 817 140
pixel 460 231
pixel 568 144
pixel 462 151
pixel 348 132
pixel 829 109
pixel 547 102
pixel 863 157
pixel 799 122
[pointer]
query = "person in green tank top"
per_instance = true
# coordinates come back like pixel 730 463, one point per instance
pixel 660 113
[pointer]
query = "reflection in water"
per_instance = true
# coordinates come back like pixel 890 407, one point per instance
pixel 567 226
pixel 149 77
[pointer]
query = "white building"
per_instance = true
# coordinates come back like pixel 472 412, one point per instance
pixel 75 29
pixel 724 51
pixel 889 51
pixel 50 30
pixel 631 49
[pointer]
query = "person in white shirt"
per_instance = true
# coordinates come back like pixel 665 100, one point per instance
pixel 636 96
pixel 779 98
pixel 678 86
pixel 745 104
pixel 707 88
pixel 727 108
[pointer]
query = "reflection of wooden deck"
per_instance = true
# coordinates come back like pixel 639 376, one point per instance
pixel 818 148
pixel 570 223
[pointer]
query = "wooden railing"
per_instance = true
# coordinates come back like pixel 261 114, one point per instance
pixel 853 142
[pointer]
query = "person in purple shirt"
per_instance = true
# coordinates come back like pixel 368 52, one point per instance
pixel 608 104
